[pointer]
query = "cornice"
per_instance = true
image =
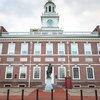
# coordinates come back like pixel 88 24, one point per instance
pixel 49 39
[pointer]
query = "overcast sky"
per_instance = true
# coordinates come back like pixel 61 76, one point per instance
pixel 75 15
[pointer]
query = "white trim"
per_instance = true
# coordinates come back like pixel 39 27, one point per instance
pixel 25 72
pixel 35 48
pixel 98 44
pixel 6 72
pixel 87 46
pixel 50 48
pixel 39 72
pixel 74 47
pixel 61 47
pixel 24 47
pixel 21 84
pixel 73 72
pixel 1 47
pixel 11 48
pixel 87 73
pixel 76 85
pixel 91 85
pixel 59 72
pixel 8 84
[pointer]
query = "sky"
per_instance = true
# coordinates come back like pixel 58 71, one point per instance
pixel 75 15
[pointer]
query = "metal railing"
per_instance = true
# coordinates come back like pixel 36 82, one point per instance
pixel 52 94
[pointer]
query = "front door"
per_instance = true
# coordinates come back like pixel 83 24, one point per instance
pixel 52 75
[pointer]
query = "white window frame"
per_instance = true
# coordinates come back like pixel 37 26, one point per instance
pixel 87 73
pixel 87 49
pixel 23 59
pixel 10 59
pixel 49 48
pixel 61 48
pixel 74 48
pixel 88 59
pixel 21 84
pixel 37 59
pixel 91 85
pixel 37 48
pixel 21 72
pixel 98 48
pixel 34 68
pixel 24 48
pixel 1 45
pixel 76 85
pixel 7 72
pixel 11 48
pixel 73 72
pixel 75 59
pixel 59 72
pixel 8 84
pixel 48 59
pixel 61 59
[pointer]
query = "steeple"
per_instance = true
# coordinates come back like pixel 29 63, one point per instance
pixel 50 19
pixel 49 7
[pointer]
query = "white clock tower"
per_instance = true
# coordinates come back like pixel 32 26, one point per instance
pixel 49 18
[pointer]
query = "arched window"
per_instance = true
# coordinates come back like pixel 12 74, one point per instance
pixel 46 9
pixel 49 8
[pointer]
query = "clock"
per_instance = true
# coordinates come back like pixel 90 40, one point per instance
pixel 50 22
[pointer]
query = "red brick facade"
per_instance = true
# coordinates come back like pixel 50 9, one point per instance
pixel 30 63
pixel 24 57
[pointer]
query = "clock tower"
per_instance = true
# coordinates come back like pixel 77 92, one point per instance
pixel 49 18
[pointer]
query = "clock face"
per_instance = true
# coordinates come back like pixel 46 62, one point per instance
pixel 50 22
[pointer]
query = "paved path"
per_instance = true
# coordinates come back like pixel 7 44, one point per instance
pixel 58 94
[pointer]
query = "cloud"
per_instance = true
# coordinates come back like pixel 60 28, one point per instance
pixel 75 15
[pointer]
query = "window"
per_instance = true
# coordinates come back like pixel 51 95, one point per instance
pixel 61 59
pixel 74 48
pixel 10 59
pixel 11 48
pixel 87 48
pixel 76 72
pixel 23 59
pixel 90 73
pixel 49 48
pixel 37 59
pixel 7 85
pixel 9 72
pixel 49 8
pixel 61 48
pixel 91 86
pixel 88 59
pixel 23 72
pixel 21 85
pixel 77 86
pixel 24 48
pixel 98 47
pixel 61 72
pixel 49 59
pixel 36 72
pixel 1 47
pixel 75 59
pixel 37 48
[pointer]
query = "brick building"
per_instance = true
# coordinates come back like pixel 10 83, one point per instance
pixel 24 57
